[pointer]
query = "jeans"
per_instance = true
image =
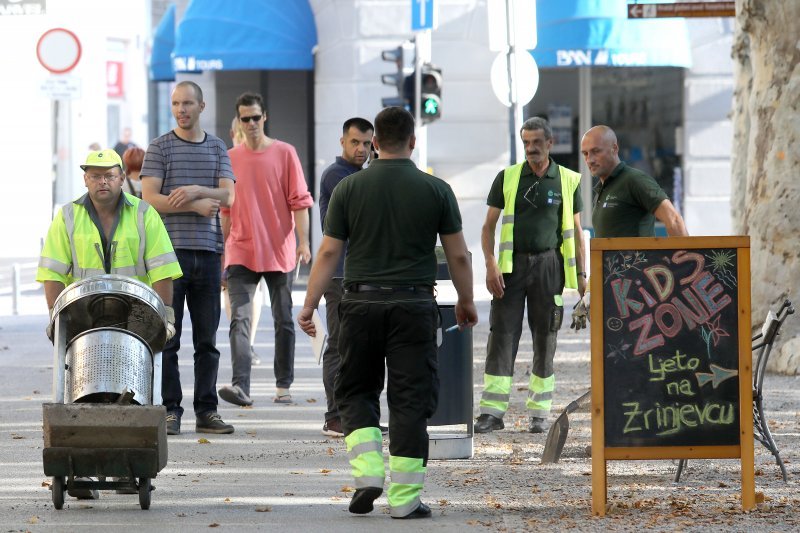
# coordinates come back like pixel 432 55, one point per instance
pixel 330 358
pixel 242 283
pixel 199 288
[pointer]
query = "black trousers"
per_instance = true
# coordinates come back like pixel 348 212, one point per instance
pixel 400 329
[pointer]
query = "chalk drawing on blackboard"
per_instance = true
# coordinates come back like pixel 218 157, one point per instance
pixel 716 330
pixel 620 262
pixel 614 323
pixel 717 375
pixel 706 336
pixel 721 263
pixel 618 353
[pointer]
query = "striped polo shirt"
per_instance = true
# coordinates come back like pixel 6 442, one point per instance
pixel 181 163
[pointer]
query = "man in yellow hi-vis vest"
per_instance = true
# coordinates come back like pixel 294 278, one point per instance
pixel 540 253
pixel 107 231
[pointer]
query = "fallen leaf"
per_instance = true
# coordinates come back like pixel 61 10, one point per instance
pixel 311 400
pixel 15 436
pixel 329 451
pixel 213 524
pixel 251 433
pixel 46 483
pixel 325 471
pixel 722 484
pixel 33 520
pixel 759 497
pixel 347 488
pixel 227 500
pixel 203 441
pixel 443 502
pixel 264 509
pixel 288 493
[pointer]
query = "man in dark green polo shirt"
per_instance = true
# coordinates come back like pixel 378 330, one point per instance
pixel 390 215
pixel 540 253
pixel 627 201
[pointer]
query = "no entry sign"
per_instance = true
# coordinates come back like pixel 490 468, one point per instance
pixel 58 50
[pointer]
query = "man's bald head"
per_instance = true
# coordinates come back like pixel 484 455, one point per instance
pixel 600 150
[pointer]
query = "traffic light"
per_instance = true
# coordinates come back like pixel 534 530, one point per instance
pixel 431 93
pixel 403 79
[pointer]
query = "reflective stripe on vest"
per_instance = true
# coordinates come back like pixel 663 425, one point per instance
pixel 364 449
pixel 137 270
pixel 408 477
pixel 569 183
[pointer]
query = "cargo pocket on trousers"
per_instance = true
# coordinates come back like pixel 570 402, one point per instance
pixel 556 318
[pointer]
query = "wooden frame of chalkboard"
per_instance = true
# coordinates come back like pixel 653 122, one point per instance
pixel 671 355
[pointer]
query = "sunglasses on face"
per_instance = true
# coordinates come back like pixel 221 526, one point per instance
pixel 254 118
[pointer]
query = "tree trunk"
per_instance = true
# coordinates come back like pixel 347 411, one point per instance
pixel 766 159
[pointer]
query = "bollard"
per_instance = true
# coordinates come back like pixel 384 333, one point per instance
pixel 15 289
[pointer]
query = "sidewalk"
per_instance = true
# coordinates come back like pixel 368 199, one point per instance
pixel 277 472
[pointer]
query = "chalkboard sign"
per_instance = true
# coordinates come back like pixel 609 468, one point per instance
pixel 671 357
pixel 671 347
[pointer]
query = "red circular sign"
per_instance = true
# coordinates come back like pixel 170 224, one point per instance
pixel 58 50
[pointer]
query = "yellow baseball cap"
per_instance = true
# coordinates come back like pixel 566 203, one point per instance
pixel 103 158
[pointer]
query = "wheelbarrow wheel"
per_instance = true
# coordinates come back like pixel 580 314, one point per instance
pixel 144 493
pixel 58 488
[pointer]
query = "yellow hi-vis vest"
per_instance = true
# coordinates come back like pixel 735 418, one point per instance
pixel 569 183
pixel 140 247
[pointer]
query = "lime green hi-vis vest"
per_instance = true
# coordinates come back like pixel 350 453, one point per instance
pixel 569 183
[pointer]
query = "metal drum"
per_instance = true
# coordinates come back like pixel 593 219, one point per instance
pixel 110 300
pixel 104 363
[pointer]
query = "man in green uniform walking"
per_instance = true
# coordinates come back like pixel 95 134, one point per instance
pixel 390 215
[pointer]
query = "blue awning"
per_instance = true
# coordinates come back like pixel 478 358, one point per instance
pixel 246 35
pixel 574 33
pixel 163 43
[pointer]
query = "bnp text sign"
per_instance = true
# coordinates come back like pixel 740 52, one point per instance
pixel 22 7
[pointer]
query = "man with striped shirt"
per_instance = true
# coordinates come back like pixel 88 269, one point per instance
pixel 187 177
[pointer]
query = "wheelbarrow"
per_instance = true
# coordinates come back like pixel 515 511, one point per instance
pixel 103 431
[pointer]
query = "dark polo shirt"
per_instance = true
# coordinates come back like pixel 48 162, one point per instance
pixel 537 209
pixel 624 204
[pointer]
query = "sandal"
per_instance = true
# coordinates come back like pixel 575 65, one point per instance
pixel 282 396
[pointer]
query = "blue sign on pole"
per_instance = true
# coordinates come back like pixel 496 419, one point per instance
pixel 423 14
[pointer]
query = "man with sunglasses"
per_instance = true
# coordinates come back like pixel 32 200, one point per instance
pixel 271 207
pixel 540 253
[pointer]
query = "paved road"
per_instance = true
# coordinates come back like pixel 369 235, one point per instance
pixel 276 472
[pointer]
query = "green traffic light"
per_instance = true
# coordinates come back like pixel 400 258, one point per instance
pixel 431 106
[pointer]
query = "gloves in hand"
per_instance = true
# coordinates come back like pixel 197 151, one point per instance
pixel 170 312
pixel 579 315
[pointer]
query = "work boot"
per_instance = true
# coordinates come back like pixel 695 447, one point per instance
pixel 333 428
pixel 211 422
pixel 235 395
pixel 488 423
pixel 361 502
pixel 173 424
pixel 84 494
pixel 423 511
pixel 536 425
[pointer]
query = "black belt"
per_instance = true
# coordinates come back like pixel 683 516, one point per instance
pixel 360 287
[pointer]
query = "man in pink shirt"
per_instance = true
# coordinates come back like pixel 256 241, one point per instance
pixel 259 228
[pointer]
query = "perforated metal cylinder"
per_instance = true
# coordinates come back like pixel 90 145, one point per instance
pixel 103 363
